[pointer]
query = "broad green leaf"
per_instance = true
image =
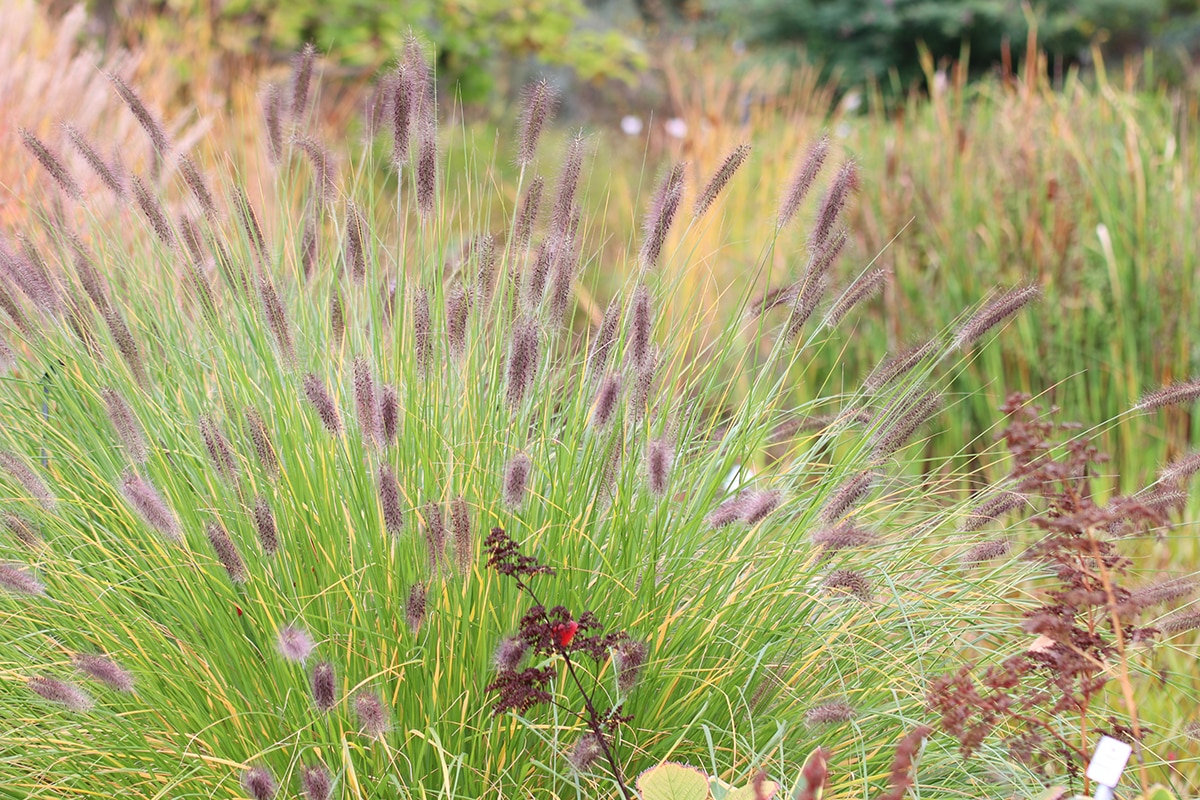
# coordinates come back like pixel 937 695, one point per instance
pixel 671 781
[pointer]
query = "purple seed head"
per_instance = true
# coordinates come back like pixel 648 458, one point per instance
pixel 249 220
pixel 198 186
pixel 640 327
pixel 318 396
pixel 272 107
pixel 372 717
pixel 302 69
pixel 516 477
pixel 308 248
pixel 264 523
pixel 364 400
pixel 105 670
pixel 126 345
pixel 721 178
pixel 844 184
pixel 848 582
pixel 802 180
pixel 15 579
pixel 663 206
pixel 52 164
pixel 458 306
pixel 422 330
pixel 261 438
pixel 435 535
pixel 220 451
pixel 1167 591
pixel 995 312
pixel 586 752
pixel 758 505
pixel 659 456
pixel 850 492
pixel 528 212
pixel 107 175
pixel 33 276
pixel 259 783
pixel 862 288
pixel 277 319
pixel 898 365
pixel 539 101
pixel 324 168
pixel 294 643
pixel 728 512
pixel 356 243
pixel 414 609
pixel 892 436
pixel 986 551
pixel 628 658
pixel 226 551
pixel 542 261
pixel 427 160
pixel 125 424
pixel 606 400
pixel 324 689
pixel 389 413
pixel 389 499
pixel 61 692
pixel 997 506
pixel 15 466
pixel 1181 469
pixel 1181 393
pixel 150 505
pixel 337 317
pixel 605 339
pixel 316 781
pixel 568 185
pixel 832 713
pixel 522 361
pixel 843 537
pixel 89 278
pixel 483 249
pixel 806 302
pixel 149 122
pixel 509 653
pixel 460 524
pixel 24 530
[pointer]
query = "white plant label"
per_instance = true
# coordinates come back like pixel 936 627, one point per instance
pixel 1109 761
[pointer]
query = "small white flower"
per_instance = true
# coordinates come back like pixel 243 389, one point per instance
pixel 676 128
pixel 631 125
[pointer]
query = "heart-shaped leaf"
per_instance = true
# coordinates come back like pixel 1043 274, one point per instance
pixel 671 781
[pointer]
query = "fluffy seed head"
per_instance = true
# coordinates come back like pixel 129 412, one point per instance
pixel 458 306
pixel 483 248
pixel 337 318
pixel 1181 622
pixel 509 653
pixel 52 164
pixel 272 107
pixel 640 327
pixel 31 273
pixel 220 452
pixel 802 180
pixel 898 365
pixel 586 752
pixel 844 184
pixel 1181 469
pixel 427 160
pixel 15 466
pixel 372 718
pixel 663 206
pixel 989 510
pixel 226 551
pixel 605 339
pixel 259 783
pixel 261 439
pixel 324 689
pixel 126 345
pixel 721 178
pixel 843 537
pixel 862 288
pixel 993 313
pixel 606 400
pixel 389 499
pixel 249 221
pixel 24 530
pixel 89 278
pixel 150 505
pixel 107 175
pixel 125 424
pixel 435 535
pixel 728 512
pixel 568 185
pixel 324 168
pixel 15 579
pixel 149 122
pixel 538 104
pixel 1167 591
pixel 356 243
pixel 852 490
pixel 364 400
pixel 460 524
pixel 659 456
pixel 316 781
pixel 893 435
pixel 522 361
pixel 414 609
pixel 318 396
pixel 629 657
pixel 516 477
pixel 528 212
pixel 389 413
pixel 758 505
pixel 308 248
pixel 277 319
pixel 832 713
pixel 1175 394
pixel 294 643
pixel 198 186
pixel 986 551
pixel 422 330
pixel 264 524
pixel 806 302
pixel 302 68
pixel 105 670
pixel 848 582
pixel 61 692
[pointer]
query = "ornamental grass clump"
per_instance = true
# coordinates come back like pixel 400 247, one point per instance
pixel 258 466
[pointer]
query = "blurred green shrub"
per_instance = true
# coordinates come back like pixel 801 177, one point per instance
pixel 866 39
pixel 469 36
